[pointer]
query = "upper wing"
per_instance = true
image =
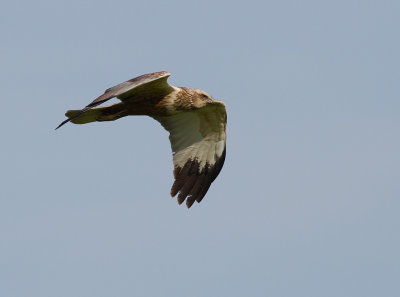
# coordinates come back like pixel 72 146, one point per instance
pixel 198 144
pixel 152 85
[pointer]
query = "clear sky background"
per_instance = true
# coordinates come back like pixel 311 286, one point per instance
pixel 307 203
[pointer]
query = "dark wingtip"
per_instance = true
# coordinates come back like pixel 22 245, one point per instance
pixel 189 201
pixel 63 123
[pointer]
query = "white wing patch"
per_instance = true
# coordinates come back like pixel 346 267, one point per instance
pixel 198 144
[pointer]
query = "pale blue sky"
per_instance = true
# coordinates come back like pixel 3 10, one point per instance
pixel 307 203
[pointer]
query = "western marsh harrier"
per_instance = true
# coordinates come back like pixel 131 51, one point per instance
pixel 195 121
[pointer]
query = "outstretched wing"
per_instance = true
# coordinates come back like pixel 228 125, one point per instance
pixel 198 144
pixel 148 85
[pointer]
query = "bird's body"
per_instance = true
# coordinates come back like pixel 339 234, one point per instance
pixel 196 123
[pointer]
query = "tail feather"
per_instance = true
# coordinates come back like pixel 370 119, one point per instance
pixel 89 116
pixel 99 114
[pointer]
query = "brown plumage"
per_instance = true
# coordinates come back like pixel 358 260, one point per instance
pixel 195 121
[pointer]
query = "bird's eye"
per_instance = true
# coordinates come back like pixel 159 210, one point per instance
pixel 204 96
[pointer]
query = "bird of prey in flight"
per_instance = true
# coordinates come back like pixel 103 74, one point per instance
pixel 196 123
